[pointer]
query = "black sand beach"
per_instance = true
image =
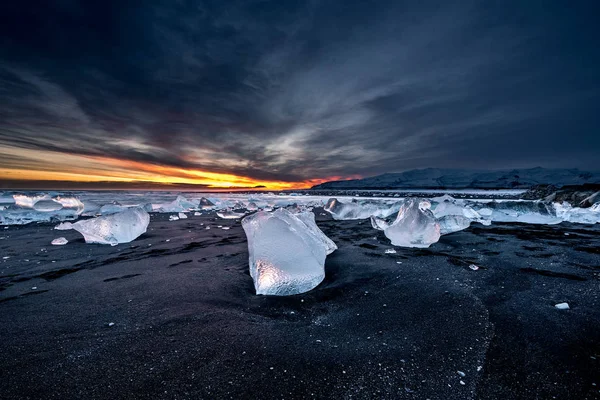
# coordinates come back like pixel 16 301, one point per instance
pixel 179 319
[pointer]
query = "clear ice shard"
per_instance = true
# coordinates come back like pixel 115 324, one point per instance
pixel 415 225
pixel 228 214
pixel 47 205
pixel 61 241
pixel 359 210
pixel 180 204
pixel 453 223
pixel 112 208
pixel 206 204
pixel 287 251
pixel 122 227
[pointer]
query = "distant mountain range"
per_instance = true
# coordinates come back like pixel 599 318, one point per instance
pixel 436 178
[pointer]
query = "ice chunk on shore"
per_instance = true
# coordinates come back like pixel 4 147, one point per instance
pixel 578 215
pixel 205 204
pixel 112 208
pixel 531 212
pixel 28 201
pixel 359 210
pixel 287 252
pixel 227 214
pixel 21 216
pixel 61 241
pixel 453 223
pixel 180 204
pixel 112 229
pixel 182 215
pixel 47 205
pixel 415 225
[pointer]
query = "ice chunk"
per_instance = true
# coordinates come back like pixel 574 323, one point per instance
pixel 173 218
pixel 579 215
pixel 452 214
pixel 206 204
pixel 28 201
pixel 112 208
pixel 531 212
pixel 453 223
pixel 61 241
pixel 251 206
pixel 70 202
pixel 180 204
pixel 182 215
pixel 287 252
pixel 47 205
pixel 227 214
pixel 415 225
pixel 113 229
pixel 562 306
pixel 360 210
pixel 22 216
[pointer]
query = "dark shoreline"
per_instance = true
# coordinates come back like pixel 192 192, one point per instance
pixel 188 325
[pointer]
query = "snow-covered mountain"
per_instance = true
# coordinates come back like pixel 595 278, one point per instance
pixel 459 178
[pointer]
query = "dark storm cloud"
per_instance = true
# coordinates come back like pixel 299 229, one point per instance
pixel 296 90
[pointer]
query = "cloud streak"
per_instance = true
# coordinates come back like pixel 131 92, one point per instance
pixel 284 91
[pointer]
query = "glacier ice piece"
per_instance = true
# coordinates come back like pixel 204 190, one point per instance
pixel 180 204
pixel 525 211
pixel 122 227
pixel 182 215
pixel 61 241
pixel 70 202
pixel 47 205
pixel 227 214
pixel 578 215
pixel 287 252
pixel 415 225
pixel 112 208
pixel 22 216
pixel 28 201
pixel 206 204
pixel 453 223
pixel 359 210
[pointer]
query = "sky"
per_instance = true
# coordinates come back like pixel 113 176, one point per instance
pixel 287 94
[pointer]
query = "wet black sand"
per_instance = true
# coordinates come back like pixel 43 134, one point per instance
pixel 188 325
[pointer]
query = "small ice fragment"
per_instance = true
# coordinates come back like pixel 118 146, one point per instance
pixel 197 214
pixel 5 257
pixel 562 306
pixel 173 218
pixel 398 262
pixel 230 214
pixel 566 234
pixel 390 251
pixel 473 267
pixel 65 226
pixel 208 227
pixel 479 368
pixel 34 288
pixel 461 374
pixel 182 215
pixel 61 241
pixel 111 323
pixel 225 228
pixel 462 383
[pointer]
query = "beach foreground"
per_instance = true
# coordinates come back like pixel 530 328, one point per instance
pixel 173 314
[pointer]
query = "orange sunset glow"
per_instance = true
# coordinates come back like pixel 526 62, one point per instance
pixel 78 168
